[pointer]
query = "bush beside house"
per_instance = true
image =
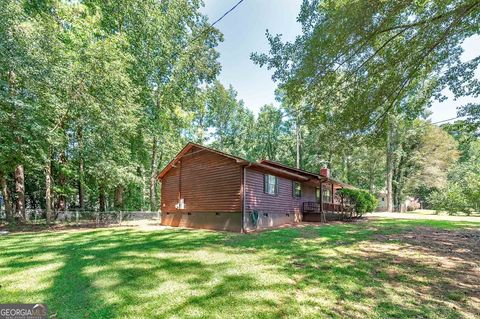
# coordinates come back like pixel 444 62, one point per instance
pixel 362 201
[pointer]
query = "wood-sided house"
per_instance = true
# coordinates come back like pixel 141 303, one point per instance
pixel 206 188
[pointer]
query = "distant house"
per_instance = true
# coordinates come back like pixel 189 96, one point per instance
pixel 409 204
pixel 382 201
pixel 206 188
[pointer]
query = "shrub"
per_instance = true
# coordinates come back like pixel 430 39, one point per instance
pixel 362 200
pixel 450 199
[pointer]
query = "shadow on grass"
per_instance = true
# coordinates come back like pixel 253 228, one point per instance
pixel 327 271
pixel 340 263
pixel 125 273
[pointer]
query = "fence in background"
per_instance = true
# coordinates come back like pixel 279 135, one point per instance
pixel 87 217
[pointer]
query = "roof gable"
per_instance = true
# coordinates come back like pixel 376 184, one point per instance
pixel 187 149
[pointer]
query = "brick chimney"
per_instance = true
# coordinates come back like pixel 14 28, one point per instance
pixel 325 172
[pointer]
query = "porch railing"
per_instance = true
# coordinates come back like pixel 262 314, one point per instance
pixel 313 207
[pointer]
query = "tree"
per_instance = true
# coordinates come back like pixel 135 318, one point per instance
pixel 432 157
pixel 466 175
pixel 270 132
pixel 230 121
pixel 450 199
pixel 173 55
pixel 461 191
pixel 28 78
pixel 464 133
pixel 373 63
pixel 96 95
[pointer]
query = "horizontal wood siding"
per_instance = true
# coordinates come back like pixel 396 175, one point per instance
pixel 284 202
pixel 207 182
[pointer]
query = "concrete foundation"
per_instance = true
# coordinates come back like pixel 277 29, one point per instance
pixel 264 220
pixel 216 221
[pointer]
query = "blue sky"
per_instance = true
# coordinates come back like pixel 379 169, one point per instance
pixel 244 33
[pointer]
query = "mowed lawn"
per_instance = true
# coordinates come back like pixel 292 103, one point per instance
pixel 368 269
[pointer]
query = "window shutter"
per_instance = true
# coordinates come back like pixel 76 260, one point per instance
pixel 276 185
pixel 265 183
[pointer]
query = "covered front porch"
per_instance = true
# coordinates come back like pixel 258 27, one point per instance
pixel 329 205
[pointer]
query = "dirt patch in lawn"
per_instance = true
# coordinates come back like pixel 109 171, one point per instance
pixel 442 265
pixel 460 245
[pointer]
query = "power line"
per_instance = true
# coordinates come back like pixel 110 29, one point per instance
pixel 223 16
pixel 184 50
pixel 216 21
pixel 453 118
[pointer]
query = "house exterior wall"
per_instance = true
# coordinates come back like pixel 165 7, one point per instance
pixel 382 202
pixel 216 189
pixel 272 210
pixel 210 185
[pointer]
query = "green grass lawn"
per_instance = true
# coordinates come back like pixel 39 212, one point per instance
pixel 357 270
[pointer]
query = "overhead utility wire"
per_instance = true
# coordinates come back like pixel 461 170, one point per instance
pixel 218 20
pixel 223 16
pixel 453 118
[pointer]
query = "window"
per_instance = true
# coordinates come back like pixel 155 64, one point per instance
pixel 327 197
pixel 270 184
pixel 317 194
pixel 297 189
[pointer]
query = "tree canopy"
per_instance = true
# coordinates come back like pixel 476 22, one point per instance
pixel 367 70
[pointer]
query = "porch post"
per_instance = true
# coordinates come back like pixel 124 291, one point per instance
pixel 333 199
pixel 341 206
pixel 333 195
pixel 321 197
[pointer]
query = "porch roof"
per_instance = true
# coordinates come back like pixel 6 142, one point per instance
pixel 316 178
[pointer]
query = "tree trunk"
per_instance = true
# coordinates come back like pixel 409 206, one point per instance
pixel 7 201
pixel 144 188
pixel 329 160
pixel 20 192
pixel 81 169
pixel 101 198
pixel 119 197
pixel 201 130
pixel 390 165
pixel 62 182
pixel 400 181
pixel 19 174
pixel 81 189
pixel 298 138
pixel 345 167
pixel 153 175
pixel 48 191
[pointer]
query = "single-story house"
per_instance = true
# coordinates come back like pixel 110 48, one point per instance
pixel 205 188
